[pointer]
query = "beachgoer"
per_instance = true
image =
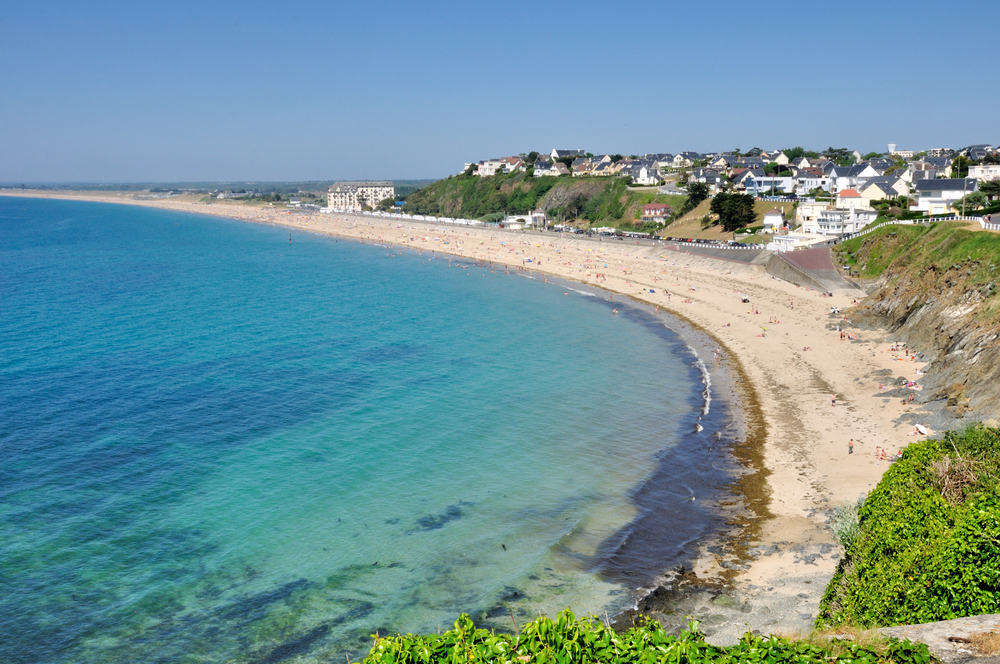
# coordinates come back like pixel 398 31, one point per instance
pixel 833 399
pixel 850 446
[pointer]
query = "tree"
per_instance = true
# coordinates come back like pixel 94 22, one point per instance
pixel 531 158
pixel 960 167
pixel 616 157
pixel 973 201
pixel 754 152
pixel 990 189
pixel 735 211
pixel 697 192
pixel 872 155
pixel 386 204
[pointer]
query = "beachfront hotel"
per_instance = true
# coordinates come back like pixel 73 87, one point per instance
pixel 355 195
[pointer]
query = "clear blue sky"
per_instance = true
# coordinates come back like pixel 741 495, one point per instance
pixel 155 91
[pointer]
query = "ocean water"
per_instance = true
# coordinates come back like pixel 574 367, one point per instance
pixel 219 446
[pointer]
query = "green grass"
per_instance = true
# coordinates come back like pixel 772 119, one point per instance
pixel 918 248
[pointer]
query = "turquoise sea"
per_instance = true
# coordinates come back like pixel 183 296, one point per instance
pixel 219 446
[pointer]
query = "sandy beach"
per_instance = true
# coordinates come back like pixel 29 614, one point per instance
pixel 816 391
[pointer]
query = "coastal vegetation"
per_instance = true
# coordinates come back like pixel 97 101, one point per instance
pixel 945 260
pixel 926 544
pixel 568 640
pixel 591 201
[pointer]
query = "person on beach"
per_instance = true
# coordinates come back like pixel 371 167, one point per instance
pixel 833 399
pixel 850 446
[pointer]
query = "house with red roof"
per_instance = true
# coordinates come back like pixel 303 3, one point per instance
pixel 846 198
pixel 657 212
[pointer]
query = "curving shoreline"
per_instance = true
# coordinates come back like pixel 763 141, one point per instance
pixel 780 554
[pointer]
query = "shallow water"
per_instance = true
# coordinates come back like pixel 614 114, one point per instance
pixel 221 446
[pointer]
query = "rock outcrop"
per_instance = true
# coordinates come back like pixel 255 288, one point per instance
pixel 947 311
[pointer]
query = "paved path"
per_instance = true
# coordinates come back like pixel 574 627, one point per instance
pixel 818 263
pixel 811 259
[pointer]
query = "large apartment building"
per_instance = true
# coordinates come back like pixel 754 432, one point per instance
pixel 355 195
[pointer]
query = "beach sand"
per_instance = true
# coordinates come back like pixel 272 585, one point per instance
pixel 778 568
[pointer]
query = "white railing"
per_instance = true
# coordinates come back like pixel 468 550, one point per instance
pixel 913 222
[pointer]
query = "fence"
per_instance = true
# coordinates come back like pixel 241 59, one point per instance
pixel 913 222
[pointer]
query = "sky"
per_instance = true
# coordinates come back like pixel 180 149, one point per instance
pixel 214 91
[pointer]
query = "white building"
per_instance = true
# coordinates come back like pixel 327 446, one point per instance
pixel 763 185
pixel 937 196
pixel 534 219
pixel 985 172
pixel 807 215
pixel 489 167
pixel 355 195
pixel 774 221
pixel 840 222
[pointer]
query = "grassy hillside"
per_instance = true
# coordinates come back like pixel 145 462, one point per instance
pixel 947 261
pixel 926 545
pixel 918 248
pixel 591 201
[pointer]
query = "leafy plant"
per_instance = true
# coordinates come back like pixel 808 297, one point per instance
pixel 928 541
pixel 568 640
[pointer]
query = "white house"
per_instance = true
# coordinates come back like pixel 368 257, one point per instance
pixel 848 198
pixel 937 196
pixel 761 185
pixel 543 168
pixel 489 167
pixel 646 175
pixel 851 177
pixel 807 215
pixel 511 164
pixel 685 159
pixel 774 220
pixel 559 154
pixel 985 172
pixel 840 222
pixel 808 179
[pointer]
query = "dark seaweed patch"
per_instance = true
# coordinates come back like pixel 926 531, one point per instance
pixel 436 521
pixel 252 607
pixel 302 644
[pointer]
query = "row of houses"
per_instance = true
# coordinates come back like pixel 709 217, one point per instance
pixel 750 172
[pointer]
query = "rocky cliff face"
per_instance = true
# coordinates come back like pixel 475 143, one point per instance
pixel 948 313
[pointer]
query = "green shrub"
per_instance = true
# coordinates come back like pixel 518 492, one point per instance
pixel 568 640
pixel 928 542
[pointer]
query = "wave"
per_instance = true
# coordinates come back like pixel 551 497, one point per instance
pixel 706 380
